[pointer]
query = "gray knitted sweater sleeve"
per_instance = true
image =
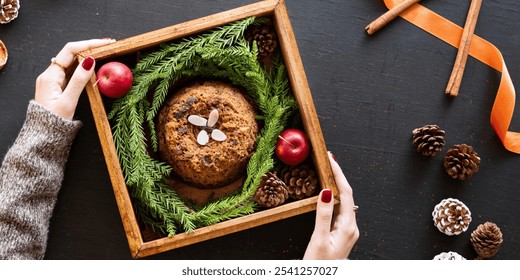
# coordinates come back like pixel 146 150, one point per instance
pixel 30 178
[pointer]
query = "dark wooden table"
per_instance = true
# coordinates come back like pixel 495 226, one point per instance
pixel 370 93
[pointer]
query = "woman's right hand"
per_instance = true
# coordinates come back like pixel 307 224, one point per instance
pixel 334 237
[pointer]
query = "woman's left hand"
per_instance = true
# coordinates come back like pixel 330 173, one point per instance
pixel 52 90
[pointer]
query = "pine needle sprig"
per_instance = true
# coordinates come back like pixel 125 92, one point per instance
pixel 224 36
pixel 163 206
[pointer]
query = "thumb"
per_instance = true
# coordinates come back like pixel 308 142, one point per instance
pixel 324 211
pixel 79 79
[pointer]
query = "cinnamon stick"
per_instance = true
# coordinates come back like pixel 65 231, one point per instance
pixel 462 54
pixel 389 16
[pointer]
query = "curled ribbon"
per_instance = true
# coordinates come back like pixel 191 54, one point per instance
pixel 482 50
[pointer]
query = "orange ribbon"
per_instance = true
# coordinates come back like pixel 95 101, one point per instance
pixel 482 50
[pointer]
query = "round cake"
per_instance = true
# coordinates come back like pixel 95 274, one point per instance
pixel 207 133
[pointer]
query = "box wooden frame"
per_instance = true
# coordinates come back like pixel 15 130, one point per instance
pixel 276 9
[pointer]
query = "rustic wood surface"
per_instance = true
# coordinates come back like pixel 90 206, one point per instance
pixel 370 92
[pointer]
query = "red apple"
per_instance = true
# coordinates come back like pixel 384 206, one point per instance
pixel 114 79
pixel 292 146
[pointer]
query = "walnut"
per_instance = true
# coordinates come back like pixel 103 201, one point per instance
pixel 3 55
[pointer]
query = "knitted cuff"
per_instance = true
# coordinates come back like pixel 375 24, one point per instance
pixel 42 121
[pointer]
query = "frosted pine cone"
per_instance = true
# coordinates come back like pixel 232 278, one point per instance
pixel 461 162
pixel 271 192
pixel 449 256
pixel 8 10
pixel 451 216
pixel 428 140
pixel 486 240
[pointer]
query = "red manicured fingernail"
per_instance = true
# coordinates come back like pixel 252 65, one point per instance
pixel 87 63
pixel 326 196
pixel 333 156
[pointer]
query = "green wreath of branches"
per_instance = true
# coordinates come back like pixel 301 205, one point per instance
pixel 223 53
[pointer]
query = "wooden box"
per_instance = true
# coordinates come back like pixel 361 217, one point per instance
pixel 274 9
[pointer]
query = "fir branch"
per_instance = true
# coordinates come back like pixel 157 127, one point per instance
pixel 222 37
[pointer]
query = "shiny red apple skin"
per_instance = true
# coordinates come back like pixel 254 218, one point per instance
pixel 114 79
pixel 295 148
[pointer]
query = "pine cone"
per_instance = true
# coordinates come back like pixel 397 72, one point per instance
pixel 301 180
pixel 449 256
pixel 428 140
pixel 486 240
pixel 271 192
pixel 461 162
pixel 265 39
pixel 451 216
pixel 8 10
